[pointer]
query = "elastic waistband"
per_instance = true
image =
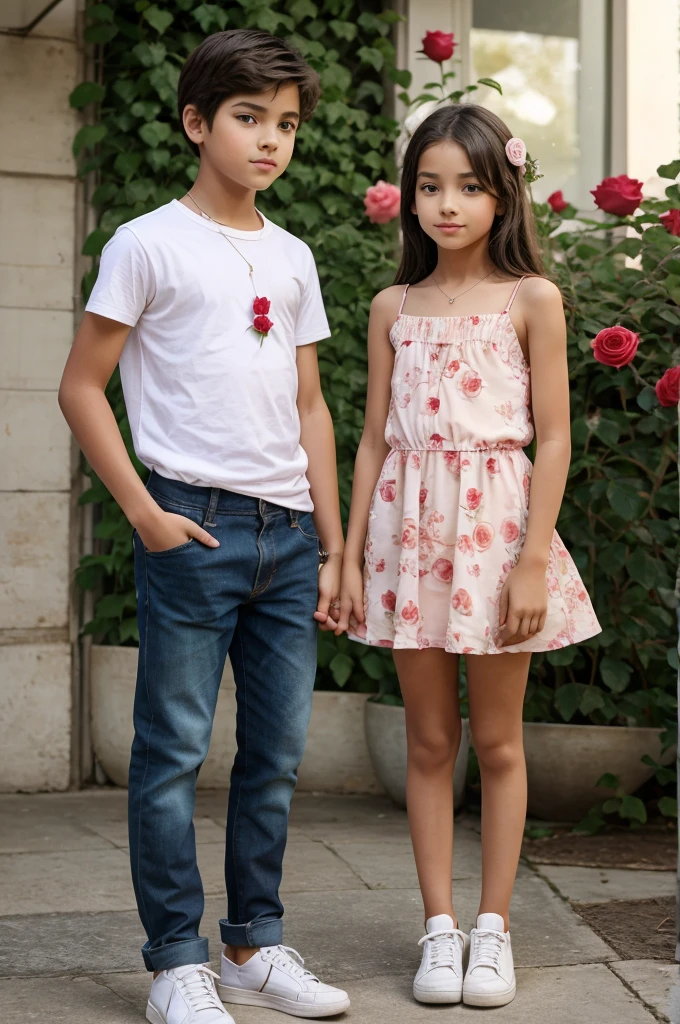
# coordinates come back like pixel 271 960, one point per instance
pixel 215 500
pixel 465 451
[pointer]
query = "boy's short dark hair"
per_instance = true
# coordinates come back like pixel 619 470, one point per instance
pixel 243 61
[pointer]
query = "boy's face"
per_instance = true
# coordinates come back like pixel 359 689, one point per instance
pixel 252 137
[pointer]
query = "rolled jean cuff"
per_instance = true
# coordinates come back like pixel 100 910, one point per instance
pixel 266 932
pixel 176 954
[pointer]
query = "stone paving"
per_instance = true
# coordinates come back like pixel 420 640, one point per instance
pixel 70 936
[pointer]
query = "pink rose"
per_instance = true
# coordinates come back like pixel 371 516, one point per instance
pixel 382 202
pixel 389 600
pixel 621 195
pixel 470 384
pixel 422 497
pixel 482 536
pixel 671 221
pixel 452 368
pixel 409 612
pixel 474 570
pixel 452 461
pixel 516 152
pixel 388 490
pixel 492 467
pixel 439 46
pixel 462 602
pixel 409 536
pixel 380 566
pixel 437 440
pixel 668 388
pixel 474 320
pixel 557 202
pixel 474 498
pixel 509 531
pixel 442 570
pixel 432 406
pixel 615 346
pixel 465 545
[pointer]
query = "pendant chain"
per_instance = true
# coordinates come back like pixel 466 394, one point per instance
pixel 226 238
pixel 453 299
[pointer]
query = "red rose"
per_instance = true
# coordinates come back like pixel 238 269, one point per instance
pixel 557 202
pixel 439 46
pixel 474 498
pixel 671 221
pixel 388 490
pixel 615 346
pixel 442 570
pixel 620 196
pixel 409 612
pixel 509 530
pixel 432 406
pixel 261 306
pixel 483 535
pixel 262 324
pixel 462 602
pixel 437 440
pixel 389 600
pixel 668 388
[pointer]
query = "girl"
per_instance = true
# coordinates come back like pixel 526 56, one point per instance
pixel 446 553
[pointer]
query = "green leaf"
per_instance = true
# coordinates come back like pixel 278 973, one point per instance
pixel 301 9
pixel 88 136
pixel 671 170
pixel 100 34
pixel 615 674
pixel 626 500
pixel 608 781
pixel 95 242
pixel 612 805
pixel 633 808
pixel 86 92
pixel 341 667
pixel 210 16
pixel 369 55
pixel 154 133
pixel 643 568
pixel 668 805
pixel 491 83
pixel 568 699
pixel 100 12
pixel 343 29
pixel 158 19
pixel 402 78
pixel 592 700
pixel 374 666
pixel 150 54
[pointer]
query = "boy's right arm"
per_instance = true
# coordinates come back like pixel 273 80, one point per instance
pixel 372 451
pixel 93 358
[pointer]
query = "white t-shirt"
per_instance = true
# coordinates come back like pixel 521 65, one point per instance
pixel 208 404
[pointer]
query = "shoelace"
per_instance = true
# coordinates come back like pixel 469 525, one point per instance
pixel 443 951
pixel 487 946
pixel 200 990
pixel 291 961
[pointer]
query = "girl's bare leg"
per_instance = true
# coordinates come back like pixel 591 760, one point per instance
pixel 496 687
pixel 429 686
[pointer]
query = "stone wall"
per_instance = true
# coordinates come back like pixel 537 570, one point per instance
pixel 38 197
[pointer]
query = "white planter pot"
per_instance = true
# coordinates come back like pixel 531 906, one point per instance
pixel 335 761
pixel 386 741
pixel 565 761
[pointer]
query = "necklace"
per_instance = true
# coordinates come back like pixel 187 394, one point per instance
pixel 453 299
pixel 262 325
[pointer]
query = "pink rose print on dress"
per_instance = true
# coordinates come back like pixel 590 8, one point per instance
pixel 437 440
pixel 474 498
pixel 432 406
pixel 509 531
pixel 388 490
pixel 380 566
pixel 474 570
pixel 407 342
pixel 461 602
pixel 483 535
pixel 422 497
pixel 492 467
pixel 389 600
pixel 474 320
pixel 465 545
pixel 452 460
pixel 470 384
pixel 409 612
pixel 409 536
pixel 434 355
pixel 442 570
pixel 452 368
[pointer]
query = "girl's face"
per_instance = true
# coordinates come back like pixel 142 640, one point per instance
pixel 452 206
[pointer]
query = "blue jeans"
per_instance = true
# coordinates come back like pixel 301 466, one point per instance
pixel 254 599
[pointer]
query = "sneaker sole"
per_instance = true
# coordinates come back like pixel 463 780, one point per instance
pixel 423 996
pixel 291 1006
pixel 489 998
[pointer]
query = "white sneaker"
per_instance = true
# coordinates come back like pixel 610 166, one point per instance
pixel 440 975
pixel 186 995
pixel 490 978
pixel 275 977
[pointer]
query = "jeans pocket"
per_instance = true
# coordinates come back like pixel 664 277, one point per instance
pixel 170 551
pixel 305 524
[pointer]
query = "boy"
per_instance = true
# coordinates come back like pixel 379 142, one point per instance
pixel 214 312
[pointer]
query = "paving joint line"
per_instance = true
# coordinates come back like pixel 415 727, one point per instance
pixel 657 1014
pixel 342 860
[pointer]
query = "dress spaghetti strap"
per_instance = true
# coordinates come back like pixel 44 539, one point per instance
pixel 403 299
pixel 512 297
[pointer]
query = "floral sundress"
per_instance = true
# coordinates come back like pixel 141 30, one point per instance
pixel 449 513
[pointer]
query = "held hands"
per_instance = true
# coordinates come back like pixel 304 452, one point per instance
pixel 524 604
pixel 328 608
pixel 351 597
pixel 165 530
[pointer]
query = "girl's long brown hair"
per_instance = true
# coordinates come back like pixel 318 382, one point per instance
pixel 513 246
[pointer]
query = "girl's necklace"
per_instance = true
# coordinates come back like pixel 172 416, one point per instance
pixel 261 305
pixel 453 299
